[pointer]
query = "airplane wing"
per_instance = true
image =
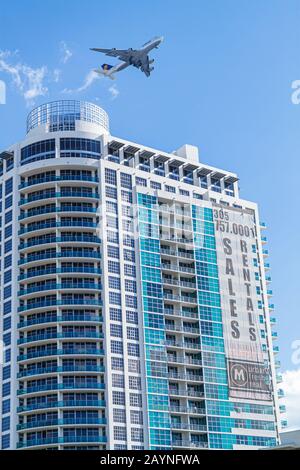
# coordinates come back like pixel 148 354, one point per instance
pixel 145 67
pixel 121 54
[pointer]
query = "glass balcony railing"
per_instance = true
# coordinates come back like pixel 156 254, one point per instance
pixel 62 270
pixel 61 422
pixel 61 440
pixel 64 285
pixel 60 254
pixel 61 352
pixel 58 386
pixel 62 404
pixel 37 212
pixel 51 225
pixel 54 195
pixel 64 239
pixel 57 335
pixel 53 178
pixel 56 302
pixel 57 319
pixel 58 369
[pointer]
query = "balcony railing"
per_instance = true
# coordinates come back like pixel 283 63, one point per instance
pixel 50 179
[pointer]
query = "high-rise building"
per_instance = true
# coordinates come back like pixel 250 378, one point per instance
pixel 135 303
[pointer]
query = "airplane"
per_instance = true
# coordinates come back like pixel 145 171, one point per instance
pixel 139 58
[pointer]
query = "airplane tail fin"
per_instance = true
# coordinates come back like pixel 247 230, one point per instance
pixel 106 70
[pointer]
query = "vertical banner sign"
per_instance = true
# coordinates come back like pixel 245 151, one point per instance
pixel 248 376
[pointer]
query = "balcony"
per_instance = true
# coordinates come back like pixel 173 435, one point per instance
pixel 60 319
pixel 186 444
pixel 62 270
pixel 61 352
pixel 61 422
pixel 188 409
pixel 60 386
pixel 188 426
pixel 186 313
pixel 62 404
pixel 186 377
pixel 58 369
pixel 63 286
pixel 179 359
pixel 54 178
pixel 53 225
pixel 56 302
pixel 59 195
pixel 64 239
pixel 61 440
pixel 63 335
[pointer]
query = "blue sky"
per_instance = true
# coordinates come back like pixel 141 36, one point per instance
pixel 222 81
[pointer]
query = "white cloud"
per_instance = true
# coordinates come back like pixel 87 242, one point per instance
pixel 114 91
pixel 56 75
pixel 291 387
pixel 88 81
pixel 65 52
pixel 28 81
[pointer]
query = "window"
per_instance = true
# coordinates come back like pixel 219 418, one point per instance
pixel 8 186
pixel 135 383
pixel 119 433
pixel 38 151
pixel 133 349
pixel 126 181
pixel 183 192
pixel 78 147
pixel 6 372
pixel 5 389
pixel 170 189
pixel 118 381
pixel 126 196
pixel 116 347
pixel 8 217
pixel 113 251
pixel 117 363
pixel 110 176
pixel 140 181
pixel 115 314
pixel 114 282
pixel 8 246
pixel 116 331
pixel 7 307
pixel 119 415
pixel 137 434
pixel 8 231
pixel 115 298
pixel 5 440
pixel 134 366
pixel 7 276
pixel 130 286
pixel 7 292
pixel 155 185
pixel 7 323
pixel 118 398
pixel 5 406
pixel 135 399
pixel 197 196
pixel 132 317
pixel 132 333
pixel 111 192
pixel 129 270
pixel 113 267
pixel 7 261
pixel 8 201
pixel 129 255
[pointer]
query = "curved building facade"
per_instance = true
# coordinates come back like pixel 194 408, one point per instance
pixel 114 318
